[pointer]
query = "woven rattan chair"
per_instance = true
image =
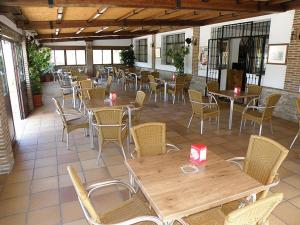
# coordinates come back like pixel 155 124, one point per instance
pixel 178 88
pixel 126 80
pixel 70 124
pixel 66 91
pixel 263 159
pixel 155 74
pixel 252 90
pixel 203 110
pixel 144 80
pixel 84 86
pixel 260 114
pixel 131 211
pixel 136 110
pixel 187 83
pixel 298 115
pixel 96 93
pixel 212 86
pixel 108 84
pixel 150 139
pixel 111 128
pixel 154 87
pixel 253 214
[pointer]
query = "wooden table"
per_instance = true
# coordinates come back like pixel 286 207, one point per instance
pixel 166 82
pixel 232 97
pixel 174 195
pixel 96 104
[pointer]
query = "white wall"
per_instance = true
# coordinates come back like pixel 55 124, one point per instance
pixel 147 64
pixel 109 42
pixel 280 32
pixel 188 59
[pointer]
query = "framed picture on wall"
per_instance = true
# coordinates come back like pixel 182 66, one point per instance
pixel 157 52
pixel 277 54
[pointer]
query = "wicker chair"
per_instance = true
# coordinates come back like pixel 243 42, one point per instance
pixel 187 83
pixel 263 159
pixel 154 87
pixel 178 88
pixel 203 110
pixel 298 115
pixel 155 74
pixel 66 91
pixel 253 214
pixel 84 86
pixel 252 90
pixel 150 139
pixel 108 85
pixel 212 86
pixel 137 109
pixel 110 128
pixel 260 114
pixel 70 124
pixel 127 80
pixel 96 93
pixel 144 80
pixel 131 211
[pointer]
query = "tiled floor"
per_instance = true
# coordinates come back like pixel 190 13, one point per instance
pixel 39 192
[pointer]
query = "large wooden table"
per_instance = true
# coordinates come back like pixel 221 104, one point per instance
pixel 96 104
pixel 232 97
pixel 174 195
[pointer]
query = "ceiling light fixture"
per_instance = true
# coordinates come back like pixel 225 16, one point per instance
pixel 99 12
pixel 116 31
pixel 60 13
pixel 79 31
pixel 102 29
pixel 56 31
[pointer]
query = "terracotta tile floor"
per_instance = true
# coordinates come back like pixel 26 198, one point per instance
pixel 39 192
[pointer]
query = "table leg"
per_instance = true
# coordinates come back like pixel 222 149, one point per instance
pixel 129 122
pixel 91 133
pixel 165 92
pixel 231 113
pixel 74 96
pixel 136 82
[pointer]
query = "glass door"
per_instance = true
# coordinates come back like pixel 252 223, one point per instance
pixel 6 94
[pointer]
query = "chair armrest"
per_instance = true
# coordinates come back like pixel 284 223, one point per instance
pixel 252 101
pixel 212 97
pixel 135 220
pixel 96 186
pixel 173 147
pixel 205 104
pixel 236 160
pixel 274 183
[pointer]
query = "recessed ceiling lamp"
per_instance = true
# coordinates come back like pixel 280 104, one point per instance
pixel 79 31
pixel 60 13
pixel 116 31
pixel 102 29
pixel 99 12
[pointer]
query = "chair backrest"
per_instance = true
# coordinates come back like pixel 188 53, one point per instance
pixel 270 103
pixel 196 100
pixel 84 85
pixel 81 78
pixel 97 74
pixel 83 196
pixel 254 89
pixel 188 79
pixel 155 74
pixel 179 83
pixel 152 83
pixel 60 111
pixel 212 86
pixel 263 159
pixel 108 84
pixel 144 76
pixel 139 99
pixel 96 93
pixel 149 139
pixel 256 213
pixel 111 118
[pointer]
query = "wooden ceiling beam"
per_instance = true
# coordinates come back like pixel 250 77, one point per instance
pixel 106 22
pixel 84 38
pixel 90 34
pixel 229 5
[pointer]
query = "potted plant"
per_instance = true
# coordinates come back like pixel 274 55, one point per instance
pixel 38 64
pixel 177 56
pixel 127 56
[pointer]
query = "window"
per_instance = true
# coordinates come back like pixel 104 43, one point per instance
pixel 59 57
pixel 141 50
pixel 116 57
pixel 97 56
pixel 175 42
pixel 75 57
pixel 106 56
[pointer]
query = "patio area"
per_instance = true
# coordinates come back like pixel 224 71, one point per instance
pixel 39 190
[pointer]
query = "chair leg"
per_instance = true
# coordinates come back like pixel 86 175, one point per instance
pixel 150 95
pixel 67 140
pixel 174 99
pixel 190 121
pixel 80 105
pixel 63 102
pixel 260 129
pixel 294 139
pixel 99 153
pixel 63 133
pixel 218 121
pixel 241 125
pixel 123 152
pixel 201 127
pixel 155 96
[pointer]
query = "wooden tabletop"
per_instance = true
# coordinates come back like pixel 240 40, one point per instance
pixel 100 103
pixel 173 194
pixel 231 94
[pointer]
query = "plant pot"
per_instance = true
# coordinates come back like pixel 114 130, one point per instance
pixel 37 100
pixel 47 78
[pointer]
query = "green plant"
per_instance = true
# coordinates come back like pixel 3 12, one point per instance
pixel 127 56
pixel 39 64
pixel 178 56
